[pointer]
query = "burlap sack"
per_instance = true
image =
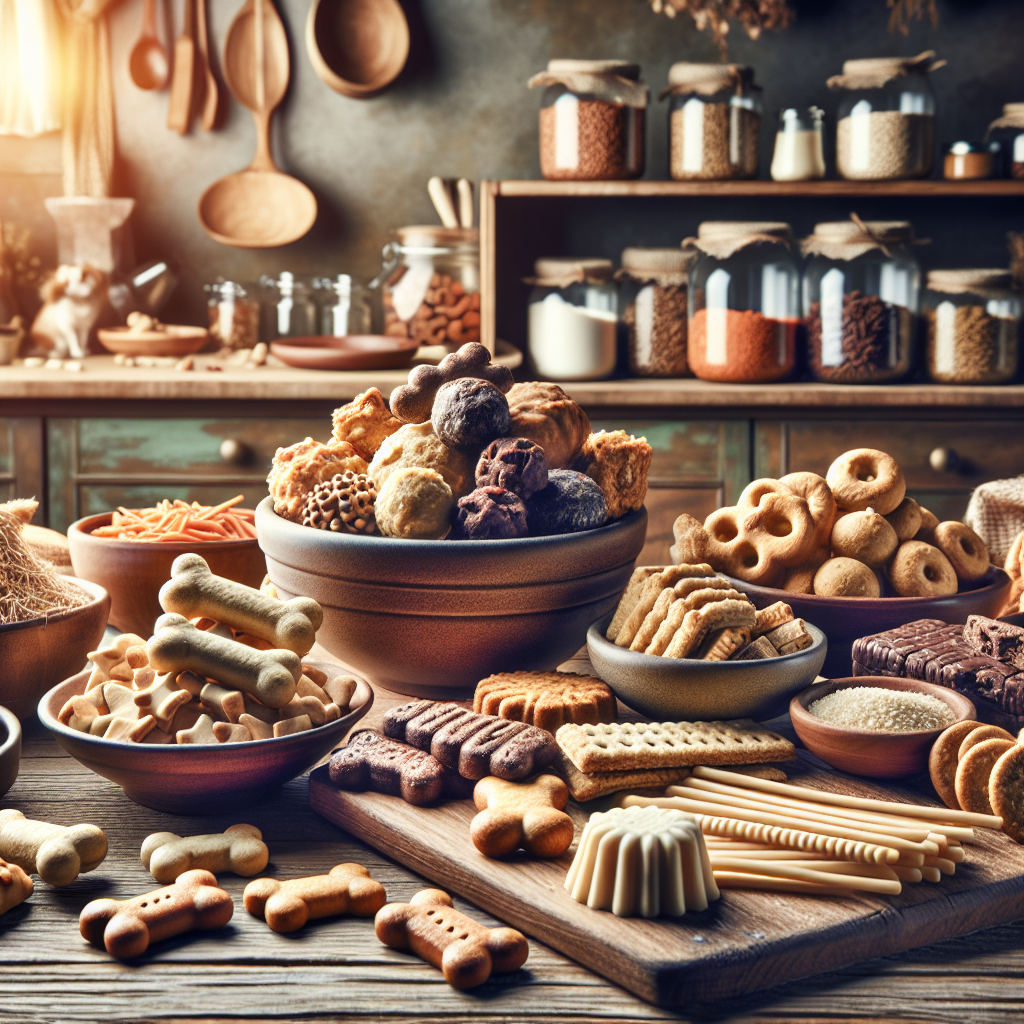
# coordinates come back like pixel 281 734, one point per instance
pixel 996 513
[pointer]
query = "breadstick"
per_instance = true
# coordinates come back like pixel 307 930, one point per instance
pixel 956 854
pixel 931 874
pixel 907 874
pixel 891 887
pixel 767 883
pixel 942 864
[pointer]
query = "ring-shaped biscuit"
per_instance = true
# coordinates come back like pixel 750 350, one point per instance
pixel 866 477
pixel 919 570
pixel 751 495
pixel 821 502
pixel 966 551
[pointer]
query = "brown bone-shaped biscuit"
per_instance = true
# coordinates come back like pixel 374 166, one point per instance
pixel 413 402
pixel 127 927
pixel 57 854
pixel 239 848
pixel 465 950
pixel 287 906
pixel 15 886
pixel 517 815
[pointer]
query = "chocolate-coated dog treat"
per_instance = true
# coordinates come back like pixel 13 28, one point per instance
pixel 469 413
pixel 490 513
pixel 997 639
pixel 571 502
pixel 515 463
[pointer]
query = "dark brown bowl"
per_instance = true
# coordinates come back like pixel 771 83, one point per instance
pixel 134 571
pixel 845 619
pixel 36 654
pixel 431 618
pixel 882 755
pixel 10 749
pixel 200 778
pixel 352 352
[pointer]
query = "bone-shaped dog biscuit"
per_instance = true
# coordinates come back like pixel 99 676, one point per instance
pixel 517 815
pixel 287 906
pixel 193 590
pixel 57 854
pixel 15 886
pixel 465 950
pixel 127 927
pixel 269 676
pixel 228 732
pixel 239 848
pixel 162 700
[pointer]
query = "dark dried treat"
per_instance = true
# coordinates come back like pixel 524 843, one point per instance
pixel 342 504
pixel 490 513
pixel 997 639
pixel 371 761
pixel 546 415
pixel 515 463
pixel 413 402
pixel 570 503
pixel 469 413
pixel 887 652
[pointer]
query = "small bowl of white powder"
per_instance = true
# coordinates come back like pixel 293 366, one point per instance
pixel 876 725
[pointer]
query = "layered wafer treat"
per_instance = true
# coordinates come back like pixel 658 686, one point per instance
pixel 997 639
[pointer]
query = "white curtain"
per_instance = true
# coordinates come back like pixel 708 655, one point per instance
pixel 30 93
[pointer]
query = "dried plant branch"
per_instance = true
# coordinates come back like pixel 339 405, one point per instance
pixel 714 15
pixel 902 12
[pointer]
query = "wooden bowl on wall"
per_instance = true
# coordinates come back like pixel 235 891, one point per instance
pixel 10 749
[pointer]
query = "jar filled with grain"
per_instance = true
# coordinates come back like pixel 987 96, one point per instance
pixel 861 292
pixel 744 302
pixel 714 121
pixel 234 314
pixel 430 285
pixel 591 120
pixel 886 118
pixel 972 326
pixel 1007 132
pixel 652 297
pixel 572 319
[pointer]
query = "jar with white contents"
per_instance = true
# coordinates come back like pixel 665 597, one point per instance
pixel 799 154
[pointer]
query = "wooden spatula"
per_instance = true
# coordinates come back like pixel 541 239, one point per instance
pixel 179 112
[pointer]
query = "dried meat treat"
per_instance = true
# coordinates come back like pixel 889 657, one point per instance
pixel 570 503
pixel 298 469
pixel 490 513
pixel 414 401
pixel 469 413
pixel 997 639
pixel 545 699
pixel 515 463
pixel 619 463
pixel 364 423
pixel 416 444
pixel 415 504
pixel 343 504
pixel 546 415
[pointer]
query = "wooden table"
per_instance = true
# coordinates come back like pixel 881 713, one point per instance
pixel 337 969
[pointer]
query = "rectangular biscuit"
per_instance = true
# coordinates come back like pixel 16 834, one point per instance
pixel 630 596
pixel 655 617
pixel 583 787
pixel 724 614
pixel 649 592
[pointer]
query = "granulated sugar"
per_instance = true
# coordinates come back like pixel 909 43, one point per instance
pixel 880 710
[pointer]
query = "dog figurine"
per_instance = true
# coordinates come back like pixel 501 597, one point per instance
pixel 73 299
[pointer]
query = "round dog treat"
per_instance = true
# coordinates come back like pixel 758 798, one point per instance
pixel 618 463
pixel 905 519
pixel 490 513
pixel 926 531
pixel 469 413
pixel 546 415
pixel 415 504
pixel 943 759
pixel 1006 791
pixel 821 503
pixel 570 503
pixel 846 577
pixel 800 579
pixel 865 536
pixel 514 463
pixel 343 504
pixel 866 477
pixel 416 444
pixel 974 772
pixel 919 570
pixel 980 735
pixel 300 467
pixel 966 551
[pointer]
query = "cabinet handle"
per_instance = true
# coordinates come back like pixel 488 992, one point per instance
pixel 943 460
pixel 234 452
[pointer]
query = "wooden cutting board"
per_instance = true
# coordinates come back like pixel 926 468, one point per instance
pixel 744 941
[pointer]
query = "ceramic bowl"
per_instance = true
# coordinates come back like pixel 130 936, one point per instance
pixel 134 571
pixel 10 749
pixel 845 619
pixel 352 352
pixel 433 618
pixel 171 340
pixel 36 654
pixel 202 778
pixel 882 755
pixel 689 690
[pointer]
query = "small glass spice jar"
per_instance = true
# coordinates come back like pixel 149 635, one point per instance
pixel 744 301
pixel 234 315
pixel 290 309
pixel 653 300
pixel 799 153
pixel 1008 133
pixel 714 121
pixel 591 120
pixel 572 319
pixel 861 294
pixel 343 306
pixel 968 161
pixel 972 326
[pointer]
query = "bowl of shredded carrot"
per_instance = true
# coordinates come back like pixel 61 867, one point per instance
pixel 129 552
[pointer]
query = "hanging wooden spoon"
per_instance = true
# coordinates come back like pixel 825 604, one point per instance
pixel 211 93
pixel 147 63
pixel 179 110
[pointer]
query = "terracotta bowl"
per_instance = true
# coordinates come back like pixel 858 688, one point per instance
pixel 35 654
pixel 433 618
pixel 205 778
pixel 688 690
pixel 173 340
pixel 10 749
pixel 883 755
pixel 845 619
pixel 134 571
pixel 352 352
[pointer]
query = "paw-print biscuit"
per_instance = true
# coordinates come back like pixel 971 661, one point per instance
pixel 515 815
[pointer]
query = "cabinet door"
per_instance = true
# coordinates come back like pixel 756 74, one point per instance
pixel 21 460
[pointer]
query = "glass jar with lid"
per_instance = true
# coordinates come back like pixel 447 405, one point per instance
pixel 714 121
pixel 1008 133
pixel 344 309
pixel 430 285
pixel 572 319
pixel 799 153
pixel 886 119
pixel 591 120
pixel 291 310
pixel 744 301
pixel 972 326
pixel 861 297
pixel 234 314
pixel 652 297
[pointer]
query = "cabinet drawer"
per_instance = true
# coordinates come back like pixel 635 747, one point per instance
pixel 21 459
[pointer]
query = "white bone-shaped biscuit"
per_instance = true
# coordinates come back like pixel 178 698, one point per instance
pixel 57 854
pixel 162 700
pixel 239 848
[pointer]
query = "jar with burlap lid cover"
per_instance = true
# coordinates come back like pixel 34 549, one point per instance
pixel 591 120
pixel 1008 131
pixel 972 326
pixel 653 300
pixel 861 294
pixel 572 319
pixel 714 121
pixel 744 301
pixel 886 118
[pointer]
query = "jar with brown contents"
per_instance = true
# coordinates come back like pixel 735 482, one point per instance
pixel 234 315
pixel 1007 132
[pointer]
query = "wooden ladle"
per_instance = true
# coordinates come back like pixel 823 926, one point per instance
pixel 260 207
pixel 147 63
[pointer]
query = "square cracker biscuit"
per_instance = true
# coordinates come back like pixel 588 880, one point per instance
pixel 630 597
pixel 583 787
pixel 631 746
